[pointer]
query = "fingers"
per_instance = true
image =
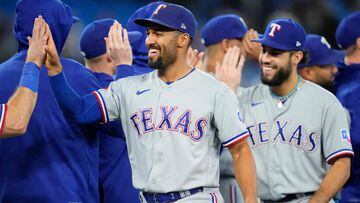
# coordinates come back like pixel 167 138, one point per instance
pixel 126 38
pixel 29 40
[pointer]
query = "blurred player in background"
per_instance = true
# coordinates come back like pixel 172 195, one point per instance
pixel 321 65
pixel 56 160
pixel 219 35
pixel 114 166
pixel 347 88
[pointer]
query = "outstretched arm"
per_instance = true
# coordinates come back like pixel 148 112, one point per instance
pixel 80 109
pixel 15 115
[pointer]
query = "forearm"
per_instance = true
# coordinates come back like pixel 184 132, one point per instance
pixel 81 109
pixel 333 181
pixel 245 172
pixel 22 103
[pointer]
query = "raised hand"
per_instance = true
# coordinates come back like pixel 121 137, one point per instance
pixel 52 61
pixel 195 58
pixel 118 46
pixel 37 42
pixel 252 49
pixel 229 71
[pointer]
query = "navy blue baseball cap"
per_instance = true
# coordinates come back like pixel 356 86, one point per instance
pixel 283 34
pixel 348 30
pixel 320 52
pixel 92 43
pixel 171 16
pixel 221 27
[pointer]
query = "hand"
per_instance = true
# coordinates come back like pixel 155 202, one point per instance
pixel 52 62
pixel 118 46
pixel 252 49
pixel 195 58
pixel 230 69
pixel 36 52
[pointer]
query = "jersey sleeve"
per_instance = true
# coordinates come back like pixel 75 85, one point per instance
pixel 2 116
pixel 228 119
pixel 336 135
pixel 109 101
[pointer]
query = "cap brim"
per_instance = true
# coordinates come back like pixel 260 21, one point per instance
pixel 75 19
pixel 334 57
pixel 271 44
pixel 147 22
pixel 134 36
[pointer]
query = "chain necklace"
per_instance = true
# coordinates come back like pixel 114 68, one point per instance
pixel 282 99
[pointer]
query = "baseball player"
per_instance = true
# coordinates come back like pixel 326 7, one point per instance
pixel 174 118
pixel 114 165
pixel 15 114
pixel 347 91
pixel 321 65
pixel 219 35
pixel 56 160
pixel 296 127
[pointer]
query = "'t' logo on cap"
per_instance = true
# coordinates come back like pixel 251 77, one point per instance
pixel 274 27
pixel 158 8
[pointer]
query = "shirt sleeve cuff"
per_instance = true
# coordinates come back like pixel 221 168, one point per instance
pixel 236 139
pixel 100 100
pixel 338 154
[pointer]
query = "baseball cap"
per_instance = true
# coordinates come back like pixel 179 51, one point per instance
pixel 143 12
pixel 348 30
pixel 284 34
pixel 92 43
pixel 320 52
pixel 221 27
pixel 171 16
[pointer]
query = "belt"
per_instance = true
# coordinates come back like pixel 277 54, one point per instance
pixel 290 197
pixel 170 196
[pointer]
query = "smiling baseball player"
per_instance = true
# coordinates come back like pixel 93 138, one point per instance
pixel 296 127
pixel 175 118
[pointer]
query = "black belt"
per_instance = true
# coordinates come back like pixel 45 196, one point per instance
pixel 170 196
pixel 290 197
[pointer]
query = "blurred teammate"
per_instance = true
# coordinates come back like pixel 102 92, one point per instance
pixel 114 170
pixel 56 160
pixel 348 92
pixel 218 35
pixel 321 65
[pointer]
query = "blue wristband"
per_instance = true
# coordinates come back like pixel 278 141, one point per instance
pixel 30 77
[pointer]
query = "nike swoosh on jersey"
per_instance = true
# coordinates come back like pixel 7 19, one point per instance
pixel 142 91
pixel 256 103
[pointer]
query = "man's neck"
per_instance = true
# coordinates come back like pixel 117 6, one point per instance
pixel 98 68
pixel 175 71
pixel 211 57
pixel 287 86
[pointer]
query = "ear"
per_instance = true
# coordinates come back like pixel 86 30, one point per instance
pixel 183 40
pixel 225 44
pixel 296 57
pixel 358 43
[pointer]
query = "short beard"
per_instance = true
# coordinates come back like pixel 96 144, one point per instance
pixel 279 78
pixel 168 58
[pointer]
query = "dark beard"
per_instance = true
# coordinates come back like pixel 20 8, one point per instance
pixel 279 78
pixel 162 62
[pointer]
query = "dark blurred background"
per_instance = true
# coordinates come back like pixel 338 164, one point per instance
pixel 317 16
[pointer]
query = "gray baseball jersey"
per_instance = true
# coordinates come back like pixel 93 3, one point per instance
pixel 174 131
pixel 293 142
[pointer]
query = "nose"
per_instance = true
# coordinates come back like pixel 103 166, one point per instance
pixel 150 39
pixel 333 69
pixel 265 57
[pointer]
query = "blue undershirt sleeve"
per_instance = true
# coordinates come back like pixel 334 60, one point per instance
pixel 83 110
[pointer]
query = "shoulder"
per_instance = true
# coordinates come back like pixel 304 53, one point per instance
pixel 318 95
pixel 208 82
